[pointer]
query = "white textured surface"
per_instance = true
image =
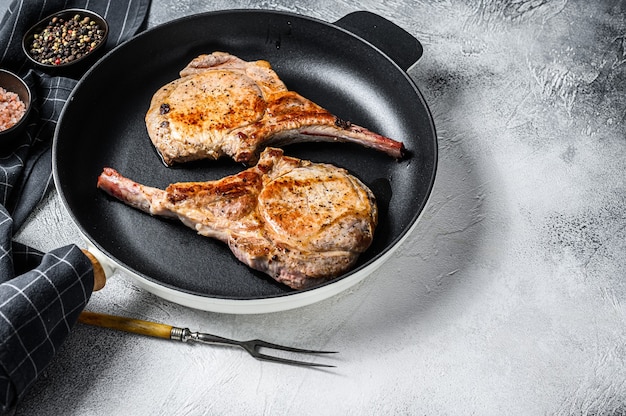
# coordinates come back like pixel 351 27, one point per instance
pixel 509 296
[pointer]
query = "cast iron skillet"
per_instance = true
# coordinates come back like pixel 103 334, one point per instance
pixel 364 81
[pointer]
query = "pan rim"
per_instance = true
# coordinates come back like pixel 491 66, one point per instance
pixel 252 305
pixel 255 304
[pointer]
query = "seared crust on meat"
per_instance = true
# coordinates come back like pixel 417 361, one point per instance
pixel 224 106
pixel 300 222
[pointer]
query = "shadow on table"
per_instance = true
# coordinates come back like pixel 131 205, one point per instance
pixel 436 272
pixel 445 261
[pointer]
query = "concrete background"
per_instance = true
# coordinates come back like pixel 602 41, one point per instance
pixel 509 296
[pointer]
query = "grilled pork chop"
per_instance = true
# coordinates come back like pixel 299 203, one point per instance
pixel 302 223
pixel 224 106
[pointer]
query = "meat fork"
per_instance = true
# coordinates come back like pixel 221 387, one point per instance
pixel 159 330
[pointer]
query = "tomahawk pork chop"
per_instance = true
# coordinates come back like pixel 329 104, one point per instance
pixel 300 222
pixel 224 106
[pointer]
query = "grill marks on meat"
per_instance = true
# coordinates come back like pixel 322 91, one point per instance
pixel 225 106
pixel 300 222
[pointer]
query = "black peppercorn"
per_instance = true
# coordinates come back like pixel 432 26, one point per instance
pixel 343 124
pixel 64 40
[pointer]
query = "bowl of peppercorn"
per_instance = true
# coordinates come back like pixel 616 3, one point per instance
pixel 15 101
pixel 66 42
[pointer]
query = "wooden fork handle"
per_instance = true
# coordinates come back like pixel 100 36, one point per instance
pixel 136 326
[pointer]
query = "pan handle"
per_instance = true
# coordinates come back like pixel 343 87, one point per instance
pixel 102 268
pixel 99 275
pixel 395 42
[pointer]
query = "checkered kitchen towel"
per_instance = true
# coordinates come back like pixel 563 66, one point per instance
pixel 41 294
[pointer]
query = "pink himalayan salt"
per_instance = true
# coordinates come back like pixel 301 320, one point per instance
pixel 12 109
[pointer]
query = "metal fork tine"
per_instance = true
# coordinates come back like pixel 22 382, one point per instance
pixel 253 346
pixel 265 344
pixel 290 361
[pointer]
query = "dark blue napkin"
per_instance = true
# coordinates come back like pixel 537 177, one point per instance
pixel 41 294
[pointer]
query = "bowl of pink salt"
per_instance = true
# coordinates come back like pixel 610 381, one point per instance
pixel 15 100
